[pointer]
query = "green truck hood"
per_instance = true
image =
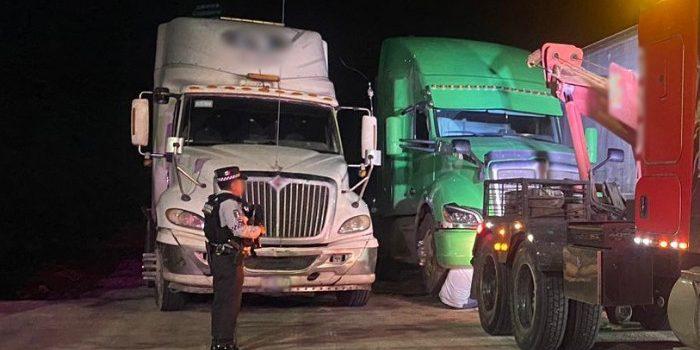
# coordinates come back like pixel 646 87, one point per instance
pixel 483 145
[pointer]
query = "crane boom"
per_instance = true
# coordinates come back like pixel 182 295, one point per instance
pixel 612 101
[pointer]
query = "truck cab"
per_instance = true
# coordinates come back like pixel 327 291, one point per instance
pixel 453 113
pixel 257 96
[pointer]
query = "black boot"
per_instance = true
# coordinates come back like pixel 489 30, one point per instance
pixel 223 346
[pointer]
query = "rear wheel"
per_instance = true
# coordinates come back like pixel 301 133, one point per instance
pixel 353 298
pixel 583 322
pixel 538 305
pixel 434 275
pixel 492 292
pixel 166 299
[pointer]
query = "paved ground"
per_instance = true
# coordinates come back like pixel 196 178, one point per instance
pixel 127 319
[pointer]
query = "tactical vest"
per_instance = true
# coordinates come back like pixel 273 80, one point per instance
pixel 213 230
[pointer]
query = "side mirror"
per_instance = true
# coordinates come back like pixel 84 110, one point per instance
pixel 463 147
pixel 616 155
pixel 369 135
pixel 369 140
pixel 394 134
pixel 139 121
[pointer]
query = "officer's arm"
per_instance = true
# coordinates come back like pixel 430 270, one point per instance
pixel 232 215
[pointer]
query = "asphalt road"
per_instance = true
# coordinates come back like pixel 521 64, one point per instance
pixel 128 319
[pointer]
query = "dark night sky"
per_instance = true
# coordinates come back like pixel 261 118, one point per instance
pixel 70 71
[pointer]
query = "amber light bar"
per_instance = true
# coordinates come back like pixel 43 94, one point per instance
pixel 663 244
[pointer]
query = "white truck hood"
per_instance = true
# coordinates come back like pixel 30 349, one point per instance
pixel 203 160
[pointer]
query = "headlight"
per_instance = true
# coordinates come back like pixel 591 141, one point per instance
pixel 185 218
pixel 460 217
pixel 355 224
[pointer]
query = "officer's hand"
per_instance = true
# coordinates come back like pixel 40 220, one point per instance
pixel 246 251
pixel 263 230
pixel 244 219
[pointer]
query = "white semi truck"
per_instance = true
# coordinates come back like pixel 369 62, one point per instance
pixel 255 95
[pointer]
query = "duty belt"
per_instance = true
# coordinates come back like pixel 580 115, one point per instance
pixel 230 247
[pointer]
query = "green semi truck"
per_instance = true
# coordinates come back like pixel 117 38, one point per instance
pixel 453 113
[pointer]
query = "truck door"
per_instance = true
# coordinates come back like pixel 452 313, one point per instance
pixel 422 164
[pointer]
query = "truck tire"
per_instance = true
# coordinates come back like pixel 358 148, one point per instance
pixel 618 314
pixel 166 299
pixel 434 275
pixel 492 292
pixel 654 317
pixel 353 298
pixel 583 322
pixel 538 306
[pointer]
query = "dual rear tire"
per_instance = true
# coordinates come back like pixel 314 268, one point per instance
pixel 531 303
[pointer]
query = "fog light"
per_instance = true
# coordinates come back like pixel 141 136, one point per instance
pixel 682 245
pixel 663 244
pixel 646 241
pixel 497 247
pixel 674 245
pixel 637 240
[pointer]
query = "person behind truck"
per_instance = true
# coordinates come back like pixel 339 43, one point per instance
pixel 227 231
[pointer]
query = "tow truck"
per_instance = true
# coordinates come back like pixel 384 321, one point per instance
pixel 550 254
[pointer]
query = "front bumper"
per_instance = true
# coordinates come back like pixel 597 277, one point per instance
pixel 453 247
pixel 344 265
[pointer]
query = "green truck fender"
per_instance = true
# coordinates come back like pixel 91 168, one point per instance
pixel 453 246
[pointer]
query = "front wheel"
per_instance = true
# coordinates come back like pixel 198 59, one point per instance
pixel 166 299
pixel 353 298
pixel 434 275
pixel 538 306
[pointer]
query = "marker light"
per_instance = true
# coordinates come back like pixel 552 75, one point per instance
pixel 497 246
pixel 663 244
pixel 682 246
pixel 480 228
pixel 637 240
pixel 504 247
pixel 674 245
pixel 489 224
pixel 530 237
pixel 502 231
pixel 646 241
pixel 517 226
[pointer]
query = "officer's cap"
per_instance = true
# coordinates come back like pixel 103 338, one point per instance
pixel 229 173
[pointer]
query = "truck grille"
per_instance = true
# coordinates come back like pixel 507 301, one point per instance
pixel 293 208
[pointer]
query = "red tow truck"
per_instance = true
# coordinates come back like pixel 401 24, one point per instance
pixel 551 254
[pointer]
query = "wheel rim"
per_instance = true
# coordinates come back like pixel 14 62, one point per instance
pixel 488 286
pixel 525 296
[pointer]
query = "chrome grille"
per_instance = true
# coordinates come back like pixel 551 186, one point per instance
pixel 293 208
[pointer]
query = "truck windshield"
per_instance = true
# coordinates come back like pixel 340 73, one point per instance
pixel 213 120
pixel 455 122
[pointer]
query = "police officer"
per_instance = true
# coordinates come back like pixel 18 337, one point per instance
pixel 227 230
